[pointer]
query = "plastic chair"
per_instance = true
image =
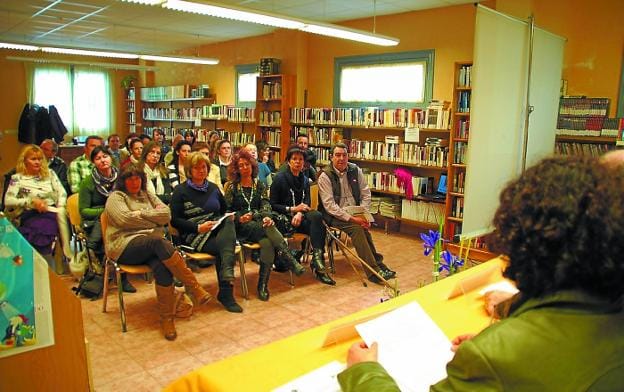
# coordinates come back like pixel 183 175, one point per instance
pixel 79 236
pixel 118 268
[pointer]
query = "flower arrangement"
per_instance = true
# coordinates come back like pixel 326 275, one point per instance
pixel 442 260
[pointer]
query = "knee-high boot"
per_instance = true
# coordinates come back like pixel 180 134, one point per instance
pixel 294 265
pixel 178 268
pixel 263 282
pixel 226 297
pixel 318 266
pixel 166 303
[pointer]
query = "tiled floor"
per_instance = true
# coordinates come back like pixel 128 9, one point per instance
pixel 142 360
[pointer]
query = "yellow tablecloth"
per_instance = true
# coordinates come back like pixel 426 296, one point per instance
pixel 274 364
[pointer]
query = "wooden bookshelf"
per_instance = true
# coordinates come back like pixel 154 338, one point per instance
pixel 275 95
pixel 131 110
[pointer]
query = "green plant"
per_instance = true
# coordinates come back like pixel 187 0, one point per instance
pixel 128 81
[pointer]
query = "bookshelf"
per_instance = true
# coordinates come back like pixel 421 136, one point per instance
pixel 174 109
pixel 233 123
pixel 376 140
pixel 275 95
pixel 131 109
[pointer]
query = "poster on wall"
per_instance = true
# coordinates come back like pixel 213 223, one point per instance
pixel 25 305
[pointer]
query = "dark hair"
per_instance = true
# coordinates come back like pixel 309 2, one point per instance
pixel 220 143
pixel 261 145
pixel 112 135
pixel 179 146
pixel 129 137
pixel 159 131
pixel 234 173
pixel 131 170
pixel 99 149
pixel 301 134
pixel 132 143
pixel 561 224
pixel 199 145
pixel 191 134
pixel 338 145
pixel 294 149
pixel 212 133
pixel 92 137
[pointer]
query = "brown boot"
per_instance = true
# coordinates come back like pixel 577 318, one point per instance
pixel 166 303
pixel 183 305
pixel 178 268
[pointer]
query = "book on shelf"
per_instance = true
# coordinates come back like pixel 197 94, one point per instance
pixel 270 118
pixel 463 102
pixel 274 138
pixel 438 115
pixel 458 182
pixel 271 89
pixel 174 92
pixel 319 135
pixel 459 152
pixel 457 208
pixel 462 128
pixel 583 149
pixel 359 117
pixel 400 153
pixel 464 76
pixel 422 211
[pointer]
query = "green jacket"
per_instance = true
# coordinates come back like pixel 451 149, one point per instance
pixel 567 341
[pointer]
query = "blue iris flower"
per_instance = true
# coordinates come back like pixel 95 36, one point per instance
pixel 429 241
pixel 449 262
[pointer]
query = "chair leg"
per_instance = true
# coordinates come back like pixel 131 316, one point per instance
pixel 105 288
pixel 243 275
pixel 122 308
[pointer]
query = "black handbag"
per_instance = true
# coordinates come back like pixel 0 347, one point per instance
pixel 283 224
pixel 90 286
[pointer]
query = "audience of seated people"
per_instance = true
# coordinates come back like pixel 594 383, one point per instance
pixel 177 174
pixel 157 175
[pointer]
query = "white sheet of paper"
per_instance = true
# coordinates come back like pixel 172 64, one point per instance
pixel 323 379
pixel 503 285
pixel 412 348
pixel 227 214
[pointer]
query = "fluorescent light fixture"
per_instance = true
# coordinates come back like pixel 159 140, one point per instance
pixel 232 13
pixel 96 53
pixel 146 2
pixel 5 45
pixel 130 67
pixel 189 60
pixel 350 34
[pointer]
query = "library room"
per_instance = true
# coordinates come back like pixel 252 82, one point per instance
pixel 299 195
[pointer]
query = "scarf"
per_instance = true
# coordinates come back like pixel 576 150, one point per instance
pixel 104 185
pixel 201 188
pixel 296 185
pixel 153 176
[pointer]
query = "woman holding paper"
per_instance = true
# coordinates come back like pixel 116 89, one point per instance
pixel 135 235
pixel 561 225
pixel 246 196
pixel 197 207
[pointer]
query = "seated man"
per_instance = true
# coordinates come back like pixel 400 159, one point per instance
pixel 55 163
pixel 341 185
pixel 81 167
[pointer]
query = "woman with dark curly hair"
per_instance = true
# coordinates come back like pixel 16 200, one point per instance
pixel 561 226
pixel 135 235
pixel 245 195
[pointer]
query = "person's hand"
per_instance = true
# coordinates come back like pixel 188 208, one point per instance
pixel 245 217
pixel 360 221
pixel 205 227
pixel 135 214
pixel 493 298
pixel 360 352
pixel 39 204
pixel 266 222
pixel 460 339
pixel 296 220
pixel 301 207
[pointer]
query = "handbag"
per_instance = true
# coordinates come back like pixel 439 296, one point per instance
pixel 283 223
pixel 90 286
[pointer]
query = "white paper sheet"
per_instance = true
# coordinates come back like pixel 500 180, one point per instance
pixel 323 379
pixel 412 348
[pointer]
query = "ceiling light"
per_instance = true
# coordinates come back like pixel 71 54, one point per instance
pixel 351 34
pixel 232 13
pixel 5 45
pixel 95 53
pixel 146 2
pixel 189 60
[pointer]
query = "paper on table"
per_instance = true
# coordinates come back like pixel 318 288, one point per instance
pixel 503 285
pixel 227 214
pixel 323 379
pixel 412 348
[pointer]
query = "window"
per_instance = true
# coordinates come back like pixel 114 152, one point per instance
pixel 81 96
pixel 386 80
pixel 245 87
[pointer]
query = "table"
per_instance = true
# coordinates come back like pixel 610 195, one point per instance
pixel 274 364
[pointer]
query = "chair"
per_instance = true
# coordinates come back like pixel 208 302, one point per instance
pixel 250 246
pixel 79 236
pixel 119 268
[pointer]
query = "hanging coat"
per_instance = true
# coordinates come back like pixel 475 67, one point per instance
pixel 57 127
pixel 27 130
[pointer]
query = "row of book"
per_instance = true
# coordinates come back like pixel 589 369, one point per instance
pixel 462 128
pixel 400 153
pixel 583 149
pixel 131 94
pixel 271 90
pixel 228 112
pixel 459 179
pixel 463 102
pixel 361 117
pixel 583 106
pixel 319 135
pixel 187 114
pixel 465 76
pixel 270 118
pixel 174 92
pixel 460 152
pixel 237 139
pixel 457 207
pixel 438 115
pixel 387 181
pixel 130 106
pixel 170 132
pixel 274 138
pixel 422 211
pixel 322 154
pixel 131 117
pixel 269 66
pixel 590 126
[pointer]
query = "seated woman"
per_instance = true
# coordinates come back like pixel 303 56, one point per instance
pixel 155 171
pixel 136 151
pixel 290 195
pixel 224 157
pixel 196 206
pixel 561 226
pixel 245 196
pixel 176 167
pixel 213 174
pixel 36 198
pixel 135 235
pixel 94 190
